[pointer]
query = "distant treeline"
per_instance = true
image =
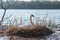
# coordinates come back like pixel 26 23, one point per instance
pixel 33 5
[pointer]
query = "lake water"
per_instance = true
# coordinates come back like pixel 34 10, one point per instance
pixel 38 14
pixel 25 14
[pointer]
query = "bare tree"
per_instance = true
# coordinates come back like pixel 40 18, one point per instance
pixel 5 9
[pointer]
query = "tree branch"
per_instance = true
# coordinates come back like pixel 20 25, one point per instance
pixel 4 9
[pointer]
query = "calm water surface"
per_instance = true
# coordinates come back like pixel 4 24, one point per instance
pixel 25 14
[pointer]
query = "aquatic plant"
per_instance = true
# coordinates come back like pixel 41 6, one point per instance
pixel 27 30
pixel 51 23
pixel 36 22
pixel 21 21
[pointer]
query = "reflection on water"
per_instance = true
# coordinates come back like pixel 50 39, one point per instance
pixel 38 14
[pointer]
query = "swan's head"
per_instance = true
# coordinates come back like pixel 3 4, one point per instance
pixel 32 15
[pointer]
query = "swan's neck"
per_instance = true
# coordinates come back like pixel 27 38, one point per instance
pixel 31 20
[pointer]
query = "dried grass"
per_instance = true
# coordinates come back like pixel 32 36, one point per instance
pixel 35 30
pixel 28 32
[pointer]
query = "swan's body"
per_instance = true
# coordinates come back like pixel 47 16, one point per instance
pixel 27 26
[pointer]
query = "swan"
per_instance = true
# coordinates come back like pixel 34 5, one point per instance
pixel 27 26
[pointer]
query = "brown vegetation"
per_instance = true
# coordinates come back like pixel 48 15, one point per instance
pixel 39 30
pixel 34 31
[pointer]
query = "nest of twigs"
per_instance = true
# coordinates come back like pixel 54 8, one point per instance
pixel 29 32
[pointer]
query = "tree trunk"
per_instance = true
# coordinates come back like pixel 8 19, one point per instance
pixel 2 17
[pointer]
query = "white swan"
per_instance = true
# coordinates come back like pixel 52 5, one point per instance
pixel 27 26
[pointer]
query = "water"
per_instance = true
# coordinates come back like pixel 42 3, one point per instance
pixel 38 14
pixel 25 14
pixel 54 36
pixel 4 38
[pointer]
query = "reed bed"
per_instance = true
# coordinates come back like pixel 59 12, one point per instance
pixel 37 30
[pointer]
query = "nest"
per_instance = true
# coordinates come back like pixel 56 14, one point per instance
pixel 37 31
